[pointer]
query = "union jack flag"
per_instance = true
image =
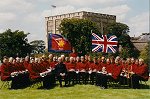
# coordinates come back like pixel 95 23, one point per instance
pixel 105 43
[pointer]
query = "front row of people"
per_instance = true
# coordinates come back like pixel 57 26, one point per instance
pixel 75 70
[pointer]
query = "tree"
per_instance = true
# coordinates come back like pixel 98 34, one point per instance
pixel 14 43
pixel 38 46
pixel 145 54
pixel 78 32
pixel 121 31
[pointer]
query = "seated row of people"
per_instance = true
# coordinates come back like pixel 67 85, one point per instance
pixel 74 70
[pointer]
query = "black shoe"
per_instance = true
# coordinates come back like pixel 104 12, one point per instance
pixel 60 85
pixel 103 88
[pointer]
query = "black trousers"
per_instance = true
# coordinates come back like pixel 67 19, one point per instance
pixel 134 81
pixel 47 81
pixel 101 80
pixel 123 80
pixel 83 77
pixel 71 77
pixel 17 82
pixel 52 77
pixel 92 77
pixel 60 79
pixel 98 76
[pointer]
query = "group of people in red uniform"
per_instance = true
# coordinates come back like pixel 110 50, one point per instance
pixel 73 70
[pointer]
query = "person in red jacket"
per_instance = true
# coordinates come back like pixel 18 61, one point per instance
pixel 124 71
pixel 77 61
pixel 116 70
pixel 52 66
pixel 109 71
pixel 50 58
pixel 73 54
pixel 102 64
pixel 18 79
pixel 49 79
pixel 88 63
pixel 53 63
pixel 141 73
pixel 105 74
pixel 34 70
pixel 92 70
pixel 66 60
pixel 82 68
pixel 26 62
pixel 71 66
pixel 6 70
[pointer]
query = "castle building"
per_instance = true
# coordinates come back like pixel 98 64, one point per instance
pixel 101 20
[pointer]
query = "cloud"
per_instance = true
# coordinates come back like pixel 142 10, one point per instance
pixel 29 15
pixel 85 3
pixel 19 6
pixel 7 17
pixel 139 24
pixel 2 30
pixel 120 11
pixel 59 10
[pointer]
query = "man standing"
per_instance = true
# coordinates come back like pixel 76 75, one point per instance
pixel 61 71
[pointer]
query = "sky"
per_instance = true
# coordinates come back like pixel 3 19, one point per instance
pixel 29 15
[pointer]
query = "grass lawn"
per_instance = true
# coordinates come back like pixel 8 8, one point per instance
pixel 76 92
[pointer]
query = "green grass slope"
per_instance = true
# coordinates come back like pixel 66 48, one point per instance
pixel 76 92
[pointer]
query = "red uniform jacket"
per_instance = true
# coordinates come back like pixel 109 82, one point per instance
pixel 116 71
pixel 81 66
pixel 132 68
pixel 0 70
pixel 46 64
pixel 99 67
pixel 93 66
pixel 53 64
pixel 19 67
pixel 43 66
pixel 103 64
pixel 73 54
pixel 34 70
pixel 66 62
pixel 142 71
pixel 26 64
pixel 109 68
pixel 124 66
pixel 6 70
pixel 71 66
pixel 88 63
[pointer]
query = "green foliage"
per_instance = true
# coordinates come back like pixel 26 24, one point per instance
pixel 149 54
pixel 117 29
pixel 14 43
pixel 38 46
pixel 78 32
pixel 121 31
pixel 145 54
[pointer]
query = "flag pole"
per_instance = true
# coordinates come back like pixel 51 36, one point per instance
pixel 53 7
